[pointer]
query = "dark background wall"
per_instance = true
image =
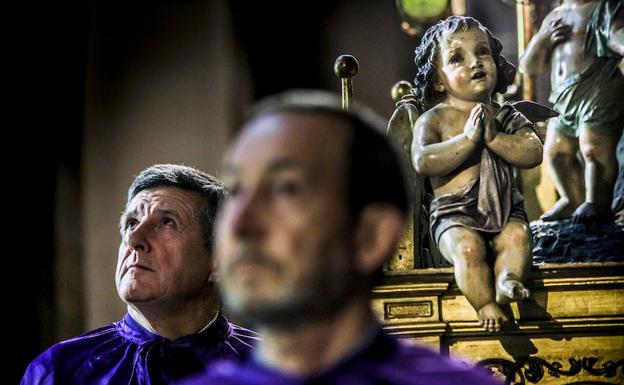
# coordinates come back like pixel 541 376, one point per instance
pixel 103 89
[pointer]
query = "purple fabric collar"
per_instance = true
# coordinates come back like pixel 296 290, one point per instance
pixel 130 329
pixel 126 353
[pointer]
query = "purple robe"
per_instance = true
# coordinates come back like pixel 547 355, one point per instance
pixel 126 353
pixel 383 361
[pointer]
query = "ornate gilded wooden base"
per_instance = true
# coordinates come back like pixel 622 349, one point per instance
pixel 570 332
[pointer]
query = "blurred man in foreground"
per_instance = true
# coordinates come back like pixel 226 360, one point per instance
pixel 317 205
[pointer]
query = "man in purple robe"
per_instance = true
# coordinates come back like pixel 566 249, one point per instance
pixel 173 327
pixel 317 204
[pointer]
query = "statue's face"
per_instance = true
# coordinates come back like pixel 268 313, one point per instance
pixel 283 240
pixel 466 69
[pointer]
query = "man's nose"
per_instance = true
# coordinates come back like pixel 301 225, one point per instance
pixel 246 215
pixel 138 238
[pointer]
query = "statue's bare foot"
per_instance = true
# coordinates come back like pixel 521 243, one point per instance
pixel 510 290
pixel 591 213
pixel 491 317
pixel 562 209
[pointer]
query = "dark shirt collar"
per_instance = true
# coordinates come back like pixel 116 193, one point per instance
pixel 374 345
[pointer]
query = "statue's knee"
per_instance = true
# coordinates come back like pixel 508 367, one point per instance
pixel 515 239
pixel 599 153
pixel 472 252
pixel 519 235
pixel 591 152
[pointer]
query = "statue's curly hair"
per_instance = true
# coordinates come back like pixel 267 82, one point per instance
pixel 426 60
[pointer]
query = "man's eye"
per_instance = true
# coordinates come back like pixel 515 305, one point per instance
pixel 286 188
pixel 131 223
pixel 168 221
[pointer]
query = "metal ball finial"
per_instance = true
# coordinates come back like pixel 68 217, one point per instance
pixel 401 88
pixel 346 66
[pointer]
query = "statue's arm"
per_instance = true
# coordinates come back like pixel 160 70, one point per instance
pixel 521 149
pixel 536 58
pixel 433 157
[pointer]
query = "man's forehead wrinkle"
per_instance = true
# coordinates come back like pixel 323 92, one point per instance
pixel 167 211
pixel 154 201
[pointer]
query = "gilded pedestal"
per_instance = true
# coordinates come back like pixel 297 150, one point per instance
pixel 570 332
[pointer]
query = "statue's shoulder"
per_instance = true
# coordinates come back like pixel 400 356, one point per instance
pixel 442 112
pixel 443 109
pixel 432 115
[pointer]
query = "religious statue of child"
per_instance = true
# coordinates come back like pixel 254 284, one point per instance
pixel 582 42
pixel 467 145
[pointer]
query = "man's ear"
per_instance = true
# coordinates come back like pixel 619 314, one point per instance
pixel 377 234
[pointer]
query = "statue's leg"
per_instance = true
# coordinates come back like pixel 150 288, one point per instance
pixel 601 169
pixel 513 247
pixel 566 171
pixel 465 249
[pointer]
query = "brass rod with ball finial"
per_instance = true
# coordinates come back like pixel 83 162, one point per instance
pixel 400 89
pixel 346 67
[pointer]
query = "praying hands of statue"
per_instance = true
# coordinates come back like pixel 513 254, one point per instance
pixel 489 124
pixel 481 124
pixel 473 129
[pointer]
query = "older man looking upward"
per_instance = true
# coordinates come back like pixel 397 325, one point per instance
pixel 173 327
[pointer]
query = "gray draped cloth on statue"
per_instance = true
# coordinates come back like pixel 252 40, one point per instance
pixel 492 199
pixel 596 44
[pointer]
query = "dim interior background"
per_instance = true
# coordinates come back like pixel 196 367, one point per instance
pixel 104 89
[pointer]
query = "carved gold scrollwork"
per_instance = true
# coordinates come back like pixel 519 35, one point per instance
pixel 531 369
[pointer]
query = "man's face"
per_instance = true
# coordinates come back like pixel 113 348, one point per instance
pixel 284 239
pixel 465 65
pixel 162 258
